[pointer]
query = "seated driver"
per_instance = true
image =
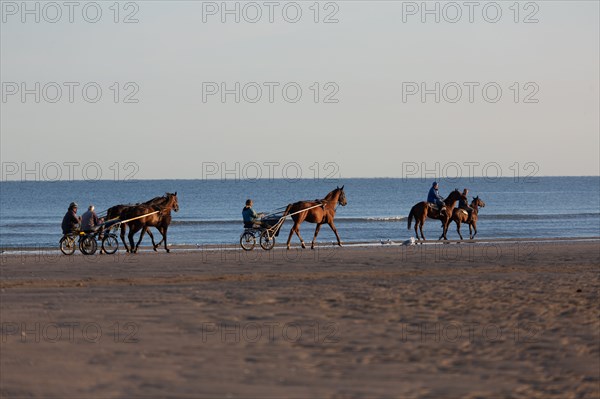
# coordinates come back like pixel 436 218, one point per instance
pixel 90 221
pixel 70 222
pixel 250 216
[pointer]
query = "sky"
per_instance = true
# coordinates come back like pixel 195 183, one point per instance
pixel 195 90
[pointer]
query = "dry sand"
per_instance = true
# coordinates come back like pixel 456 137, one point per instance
pixel 516 319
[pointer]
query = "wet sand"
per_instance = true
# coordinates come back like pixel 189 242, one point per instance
pixel 508 319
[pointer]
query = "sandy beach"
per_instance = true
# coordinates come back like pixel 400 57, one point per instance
pixel 508 319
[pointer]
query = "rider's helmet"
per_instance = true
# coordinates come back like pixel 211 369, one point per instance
pixel 73 205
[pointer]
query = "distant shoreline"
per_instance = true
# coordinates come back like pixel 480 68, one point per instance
pixel 332 179
pixel 45 250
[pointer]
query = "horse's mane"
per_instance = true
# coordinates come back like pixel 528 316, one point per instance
pixel 333 192
pixel 447 199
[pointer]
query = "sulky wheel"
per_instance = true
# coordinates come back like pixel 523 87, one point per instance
pixel 88 245
pixel 267 241
pixel 110 244
pixel 67 245
pixel 247 241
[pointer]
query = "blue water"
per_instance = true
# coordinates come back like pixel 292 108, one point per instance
pixel 210 210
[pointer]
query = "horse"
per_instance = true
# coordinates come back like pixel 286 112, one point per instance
pixel 423 210
pixel 462 216
pixel 319 214
pixel 160 210
pixel 119 212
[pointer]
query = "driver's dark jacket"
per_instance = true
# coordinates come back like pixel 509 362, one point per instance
pixel 69 222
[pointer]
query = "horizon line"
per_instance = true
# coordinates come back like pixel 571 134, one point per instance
pixel 524 178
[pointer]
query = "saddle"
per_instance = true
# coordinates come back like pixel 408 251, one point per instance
pixel 434 206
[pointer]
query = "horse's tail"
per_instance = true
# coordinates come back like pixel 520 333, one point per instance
pixel 111 212
pixel 410 217
pixel 287 210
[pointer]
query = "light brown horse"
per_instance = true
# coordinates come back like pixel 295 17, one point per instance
pixel 319 215
pixel 424 210
pixel 160 218
pixel 462 216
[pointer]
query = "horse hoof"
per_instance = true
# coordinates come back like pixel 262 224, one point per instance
pixel 168 250
pixel 303 246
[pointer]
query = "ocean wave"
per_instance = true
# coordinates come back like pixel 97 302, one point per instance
pixel 339 219
pixel 550 216
pixel 378 219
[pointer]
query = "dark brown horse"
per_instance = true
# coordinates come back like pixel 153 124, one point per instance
pixel 159 216
pixel 424 210
pixel 319 214
pixel 119 212
pixel 462 216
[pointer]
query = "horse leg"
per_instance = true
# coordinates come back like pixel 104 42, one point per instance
pixel 416 226
pixel 300 237
pixel 444 229
pixel 132 231
pixel 161 229
pixel 421 230
pixel 123 228
pixel 458 229
pixel 312 246
pixel 474 228
pixel 164 234
pixel 335 232
pixel 144 230
pixel 296 229
pixel 421 223
pixel 152 238
pixel 290 237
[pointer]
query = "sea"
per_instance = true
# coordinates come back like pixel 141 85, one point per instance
pixel 377 209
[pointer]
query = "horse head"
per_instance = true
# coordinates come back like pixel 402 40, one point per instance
pixel 477 202
pixel 342 198
pixel 453 196
pixel 172 201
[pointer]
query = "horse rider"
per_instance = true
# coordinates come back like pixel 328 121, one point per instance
pixel 250 216
pixel 70 221
pixel 90 221
pixel 435 198
pixel 463 202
